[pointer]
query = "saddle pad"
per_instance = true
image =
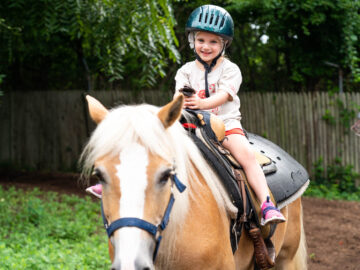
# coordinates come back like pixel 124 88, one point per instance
pixel 290 180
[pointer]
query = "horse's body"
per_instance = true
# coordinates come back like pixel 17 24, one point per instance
pixel 134 150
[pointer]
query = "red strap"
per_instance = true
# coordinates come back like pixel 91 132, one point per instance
pixel 189 125
pixel 234 131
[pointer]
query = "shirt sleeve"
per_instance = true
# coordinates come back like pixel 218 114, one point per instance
pixel 181 78
pixel 230 80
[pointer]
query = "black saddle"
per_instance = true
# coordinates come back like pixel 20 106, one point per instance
pixel 286 178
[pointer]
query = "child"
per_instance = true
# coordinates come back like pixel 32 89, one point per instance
pixel 216 81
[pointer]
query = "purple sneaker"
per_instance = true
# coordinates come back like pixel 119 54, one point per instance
pixel 270 213
pixel 95 190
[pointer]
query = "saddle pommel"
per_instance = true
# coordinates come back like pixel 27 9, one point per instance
pixel 213 125
pixel 218 127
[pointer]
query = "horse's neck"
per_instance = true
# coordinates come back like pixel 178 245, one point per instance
pixel 204 232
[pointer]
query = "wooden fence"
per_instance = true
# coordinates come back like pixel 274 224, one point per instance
pixel 47 130
pixel 296 123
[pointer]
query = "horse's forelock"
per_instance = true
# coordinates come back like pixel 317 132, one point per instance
pixel 125 125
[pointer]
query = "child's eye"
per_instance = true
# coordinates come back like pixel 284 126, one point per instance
pixel 214 41
pixel 200 40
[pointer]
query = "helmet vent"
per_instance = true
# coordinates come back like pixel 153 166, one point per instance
pixel 222 22
pixel 200 17
pixel 217 20
pixel 211 18
pixel 206 17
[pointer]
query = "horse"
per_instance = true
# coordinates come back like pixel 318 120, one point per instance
pixel 152 173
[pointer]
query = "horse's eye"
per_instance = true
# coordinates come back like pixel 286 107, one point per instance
pixel 98 174
pixel 165 177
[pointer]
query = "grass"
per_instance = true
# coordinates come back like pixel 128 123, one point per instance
pixel 45 230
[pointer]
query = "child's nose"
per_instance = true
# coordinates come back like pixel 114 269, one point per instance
pixel 206 45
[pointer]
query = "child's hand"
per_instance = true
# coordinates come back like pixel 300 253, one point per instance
pixel 187 91
pixel 194 102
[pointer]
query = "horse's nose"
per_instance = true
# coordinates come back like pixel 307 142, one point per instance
pixel 139 265
pixel 143 265
pixel 116 265
pixel 145 268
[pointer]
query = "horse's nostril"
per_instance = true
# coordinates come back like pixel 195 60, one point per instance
pixel 146 268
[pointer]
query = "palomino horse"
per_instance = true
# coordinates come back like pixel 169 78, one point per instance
pixel 143 158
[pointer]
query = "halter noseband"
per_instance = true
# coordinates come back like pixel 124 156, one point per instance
pixel 154 230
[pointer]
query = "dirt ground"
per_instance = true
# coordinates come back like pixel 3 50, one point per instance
pixel 332 232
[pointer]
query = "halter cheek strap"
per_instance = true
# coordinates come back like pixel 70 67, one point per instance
pixel 154 230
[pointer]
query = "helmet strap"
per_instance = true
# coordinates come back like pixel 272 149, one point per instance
pixel 208 68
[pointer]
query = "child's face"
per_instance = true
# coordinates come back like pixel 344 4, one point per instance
pixel 208 46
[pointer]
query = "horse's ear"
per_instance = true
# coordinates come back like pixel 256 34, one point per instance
pixel 97 111
pixel 171 111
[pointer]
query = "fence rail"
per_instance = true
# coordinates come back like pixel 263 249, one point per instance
pixel 47 130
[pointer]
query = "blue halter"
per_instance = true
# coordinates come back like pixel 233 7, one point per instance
pixel 154 230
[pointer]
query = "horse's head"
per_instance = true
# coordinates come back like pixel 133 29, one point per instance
pixel 129 152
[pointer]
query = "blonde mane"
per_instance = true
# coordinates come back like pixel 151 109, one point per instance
pixel 139 123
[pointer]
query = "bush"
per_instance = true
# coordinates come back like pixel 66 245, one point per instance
pixel 336 182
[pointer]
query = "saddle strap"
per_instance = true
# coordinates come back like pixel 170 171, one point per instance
pixel 264 253
pixel 240 178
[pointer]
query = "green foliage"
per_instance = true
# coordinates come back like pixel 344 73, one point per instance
pixel 280 45
pixel 111 40
pixel 346 114
pixel 328 117
pixel 335 182
pixel 280 40
pixel 45 230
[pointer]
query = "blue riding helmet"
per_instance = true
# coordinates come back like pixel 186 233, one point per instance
pixel 211 19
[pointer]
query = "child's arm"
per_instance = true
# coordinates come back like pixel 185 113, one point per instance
pixel 196 103
pixel 181 79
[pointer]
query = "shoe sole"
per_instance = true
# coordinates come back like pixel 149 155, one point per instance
pixel 273 220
